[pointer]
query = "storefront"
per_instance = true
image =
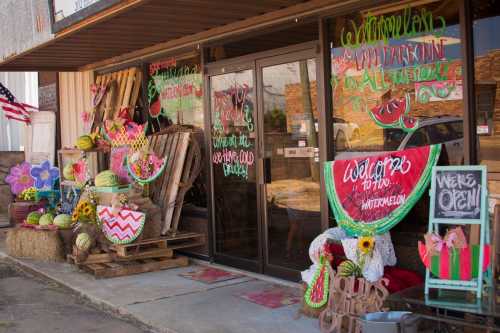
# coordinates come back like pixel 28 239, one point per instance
pixel 274 98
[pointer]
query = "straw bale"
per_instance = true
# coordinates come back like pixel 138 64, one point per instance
pixel 43 245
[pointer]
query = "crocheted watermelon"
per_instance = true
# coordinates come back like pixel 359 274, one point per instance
pixel 317 293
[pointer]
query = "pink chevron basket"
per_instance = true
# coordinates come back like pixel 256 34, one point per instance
pixel 122 227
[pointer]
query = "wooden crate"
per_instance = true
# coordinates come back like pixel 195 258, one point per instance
pixel 129 267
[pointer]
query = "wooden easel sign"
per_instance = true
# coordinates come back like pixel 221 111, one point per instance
pixel 459 197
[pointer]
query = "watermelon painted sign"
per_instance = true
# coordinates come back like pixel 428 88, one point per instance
pixel 369 195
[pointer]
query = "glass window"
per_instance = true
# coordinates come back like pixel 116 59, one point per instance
pixel 175 93
pixel 486 16
pixel 388 82
pixel 419 138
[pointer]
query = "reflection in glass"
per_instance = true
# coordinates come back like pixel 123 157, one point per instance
pixel 233 159
pixel 487 76
pixel 291 161
pixel 392 88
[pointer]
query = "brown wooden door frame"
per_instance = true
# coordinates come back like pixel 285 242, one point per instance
pixel 256 62
pixel 309 53
pixel 211 70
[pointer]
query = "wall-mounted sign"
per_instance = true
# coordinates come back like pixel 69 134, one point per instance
pixel 369 195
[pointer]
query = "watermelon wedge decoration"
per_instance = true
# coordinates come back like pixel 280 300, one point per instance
pixel 317 293
pixel 370 195
pixel 394 114
pixel 453 263
pixel 388 114
pixel 155 109
pixel 121 227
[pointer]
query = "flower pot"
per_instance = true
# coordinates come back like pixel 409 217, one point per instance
pixel 20 209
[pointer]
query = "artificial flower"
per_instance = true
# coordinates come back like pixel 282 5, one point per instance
pixel 45 175
pixel 366 244
pixel 87 210
pixel 20 178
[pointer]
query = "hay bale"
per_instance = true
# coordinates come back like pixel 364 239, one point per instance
pixel 43 245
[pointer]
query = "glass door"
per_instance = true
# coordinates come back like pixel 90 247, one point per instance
pixel 290 163
pixel 233 133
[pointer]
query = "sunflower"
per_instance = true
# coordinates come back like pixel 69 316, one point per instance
pixel 366 244
pixel 87 210
pixel 74 217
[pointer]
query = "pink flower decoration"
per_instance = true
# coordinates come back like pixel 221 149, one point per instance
pixel 20 178
pixel 80 171
pixel 117 163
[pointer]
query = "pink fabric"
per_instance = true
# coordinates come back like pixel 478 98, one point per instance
pixel 465 264
pixel 444 264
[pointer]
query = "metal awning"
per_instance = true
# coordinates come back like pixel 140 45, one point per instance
pixel 153 25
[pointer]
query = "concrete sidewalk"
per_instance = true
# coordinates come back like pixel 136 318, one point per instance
pixel 167 302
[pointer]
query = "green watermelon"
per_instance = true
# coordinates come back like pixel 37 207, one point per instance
pixel 348 268
pixel 46 219
pixel 106 178
pixel 83 242
pixel 85 142
pixel 62 221
pixel 69 172
pixel 33 218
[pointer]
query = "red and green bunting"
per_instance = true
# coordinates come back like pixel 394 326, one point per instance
pixel 369 195
pixel 453 263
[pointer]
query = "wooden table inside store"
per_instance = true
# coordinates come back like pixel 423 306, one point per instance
pixel 450 309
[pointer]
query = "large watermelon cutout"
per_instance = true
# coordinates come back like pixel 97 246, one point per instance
pixel 369 195
pixel 453 263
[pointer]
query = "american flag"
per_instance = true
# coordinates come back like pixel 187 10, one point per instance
pixel 12 108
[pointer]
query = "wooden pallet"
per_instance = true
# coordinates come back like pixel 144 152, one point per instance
pixel 129 267
pixel 100 258
pixel 153 247
pixel 182 240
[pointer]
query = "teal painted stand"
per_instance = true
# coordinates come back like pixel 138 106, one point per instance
pixel 475 284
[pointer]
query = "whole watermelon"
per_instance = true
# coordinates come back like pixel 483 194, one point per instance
pixel 46 219
pixel 62 221
pixel 106 178
pixel 68 172
pixel 83 242
pixel 85 142
pixel 348 268
pixel 33 218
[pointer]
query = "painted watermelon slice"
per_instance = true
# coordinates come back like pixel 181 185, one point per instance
pixel 388 114
pixel 369 195
pixel 155 109
pixel 408 124
pixel 122 227
pixel 317 293
pixel 455 264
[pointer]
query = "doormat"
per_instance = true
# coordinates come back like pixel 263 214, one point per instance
pixel 272 296
pixel 210 275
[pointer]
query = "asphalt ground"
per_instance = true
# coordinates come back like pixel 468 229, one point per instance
pixel 31 304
